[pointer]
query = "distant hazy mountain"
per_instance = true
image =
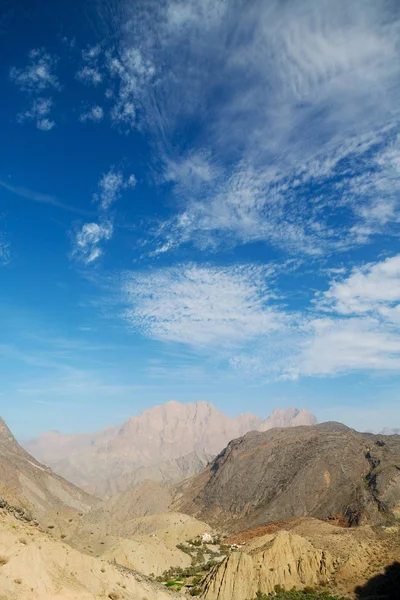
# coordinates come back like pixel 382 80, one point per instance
pixel 163 433
pixel 167 472
pixel 389 431
pixel 288 417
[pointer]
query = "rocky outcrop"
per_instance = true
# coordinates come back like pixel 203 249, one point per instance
pixel 284 559
pixel 304 553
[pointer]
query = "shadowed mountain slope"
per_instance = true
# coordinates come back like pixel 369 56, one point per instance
pixel 26 483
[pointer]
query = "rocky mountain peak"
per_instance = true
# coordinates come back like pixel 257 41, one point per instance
pixel 161 433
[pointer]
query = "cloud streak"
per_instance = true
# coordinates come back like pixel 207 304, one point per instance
pixel 29 194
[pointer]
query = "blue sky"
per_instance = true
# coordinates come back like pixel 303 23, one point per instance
pixel 199 201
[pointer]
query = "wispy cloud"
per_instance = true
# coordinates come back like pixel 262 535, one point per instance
pixel 90 72
pixel 38 75
pixel 34 79
pixel 310 90
pixel 362 329
pixel 201 305
pixel 235 312
pixel 39 112
pixel 89 75
pixel 130 72
pixel 29 194
pixel 87 241
pixel 111 186
pixel 94 114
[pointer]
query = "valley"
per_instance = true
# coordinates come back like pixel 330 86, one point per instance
pixel 302 506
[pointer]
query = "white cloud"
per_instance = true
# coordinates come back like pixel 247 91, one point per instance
pixel 91 53
pixel 373 288
pixel 132 73
pixel 202 305
pixel 362 331
pixel 39 112
pixel 345 345
pixel 45 124
pixel 38 75
pixel 234 313
pixel 111 186
pixel 310 89
pixel 94 114
pixel 87 242
pixel 89 75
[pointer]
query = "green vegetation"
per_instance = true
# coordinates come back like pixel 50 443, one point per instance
pixel 184 548
pixel 195 591
pixel 179 574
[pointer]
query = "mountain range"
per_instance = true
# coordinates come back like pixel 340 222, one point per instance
pixel 176 440
pixel 312 505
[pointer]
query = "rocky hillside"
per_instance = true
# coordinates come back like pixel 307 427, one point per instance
pixel 26 483
pixel 163 433
pixel 36 565
pixel 305 554
pixel 324 471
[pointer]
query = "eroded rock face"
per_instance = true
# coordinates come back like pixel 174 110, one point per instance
pixel 304 552
pixel 284 559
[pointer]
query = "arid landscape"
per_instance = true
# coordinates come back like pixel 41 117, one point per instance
pixel 291 505
pixel 200 299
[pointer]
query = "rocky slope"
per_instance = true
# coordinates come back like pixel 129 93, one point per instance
pixel 146 544
pixel 305 553
pixel 35 565
pixel 26 483
pixel 322 471
pixel 101 461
